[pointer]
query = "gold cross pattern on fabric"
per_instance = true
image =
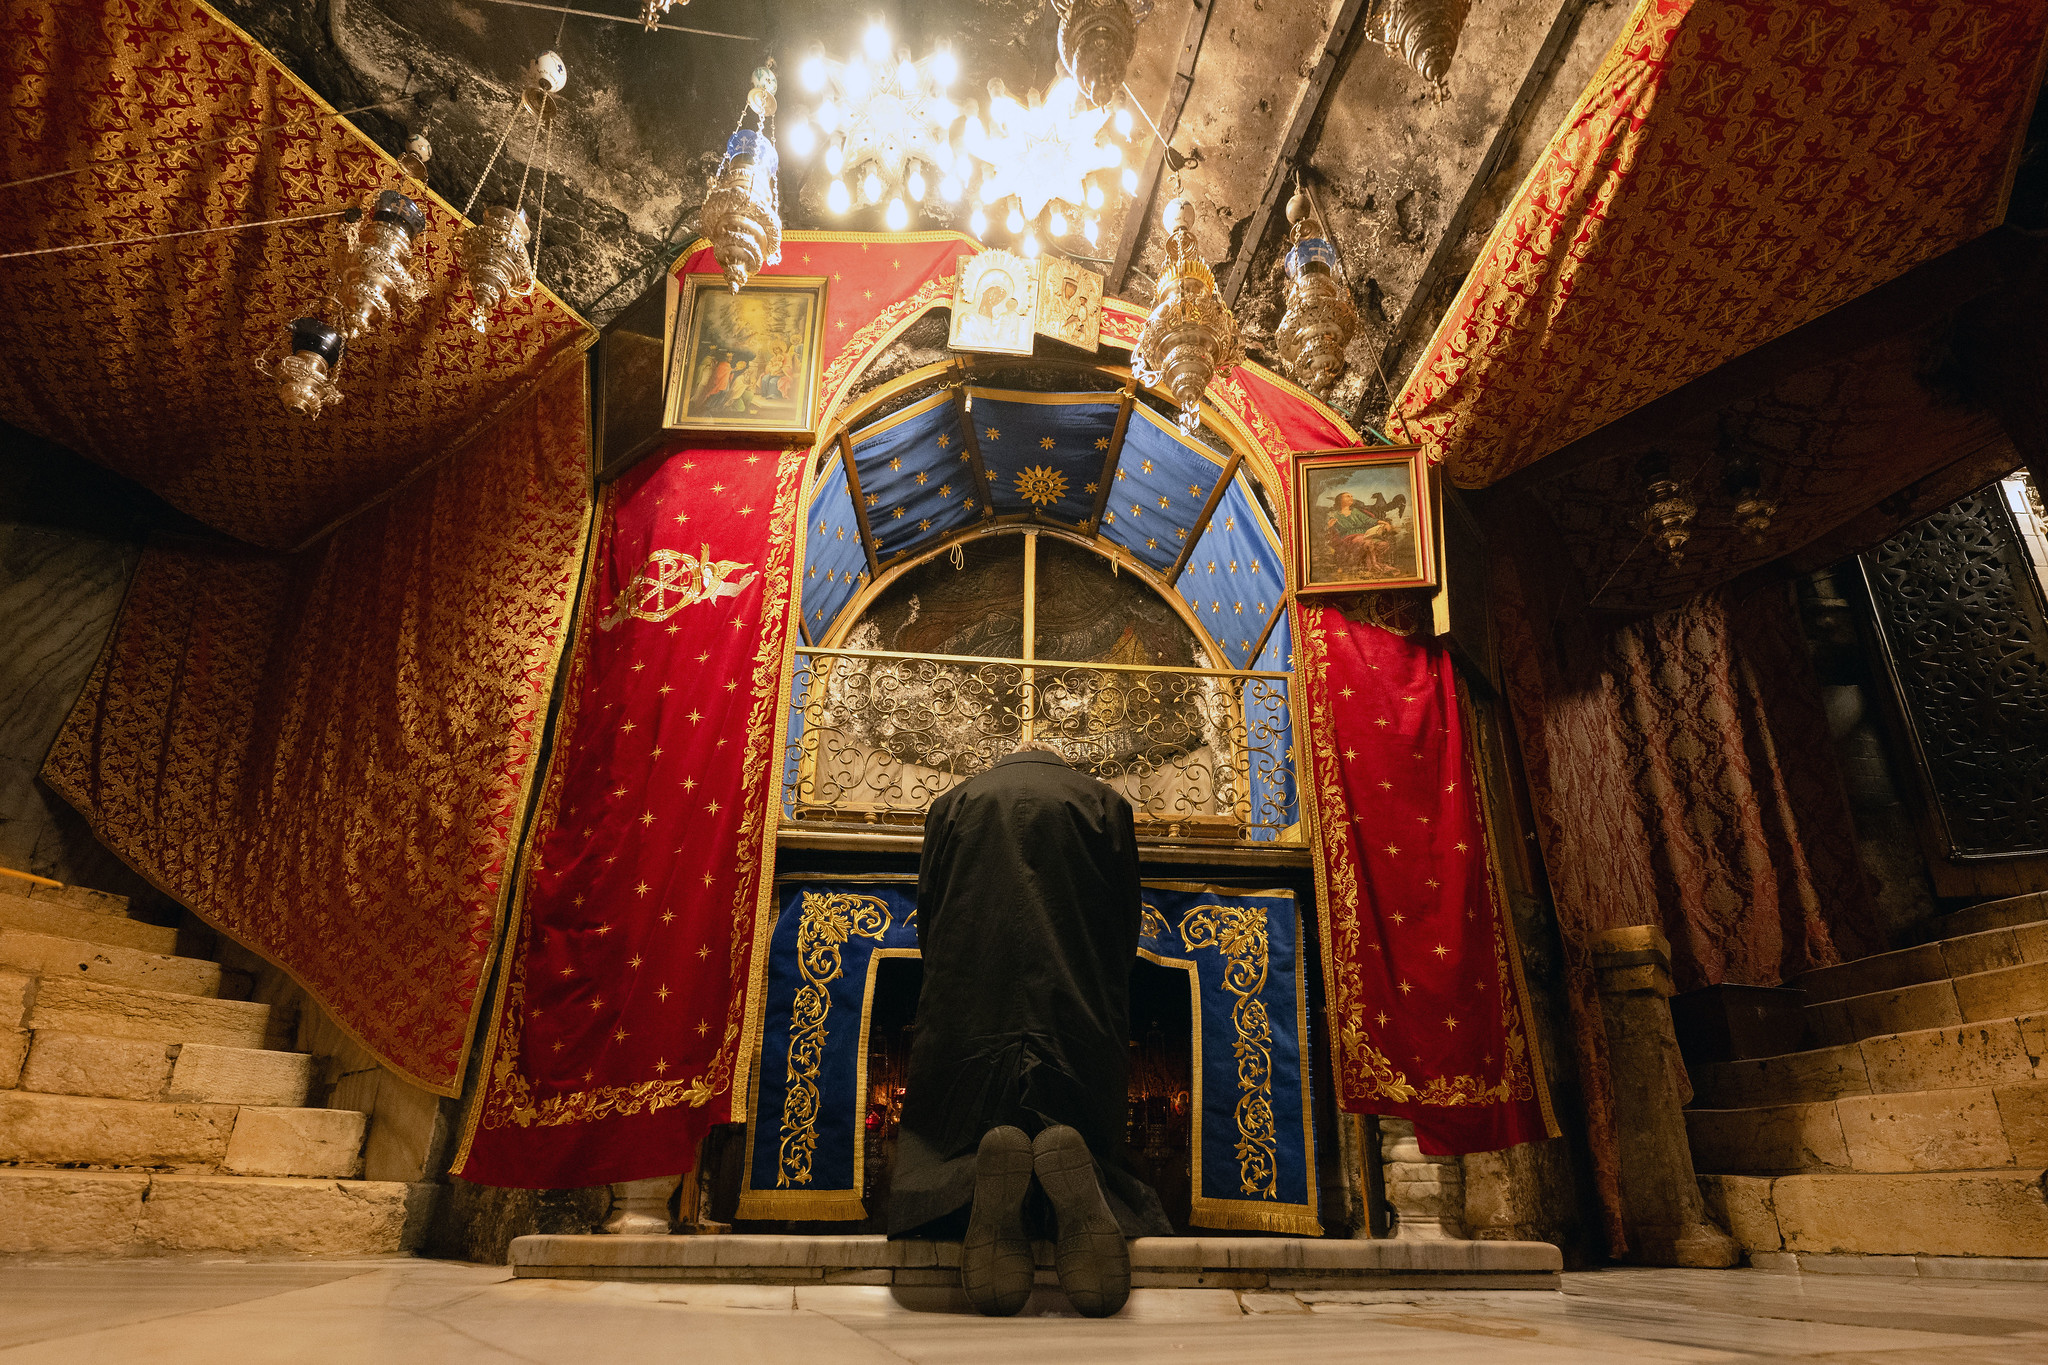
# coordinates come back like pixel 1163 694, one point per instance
pixel 671 580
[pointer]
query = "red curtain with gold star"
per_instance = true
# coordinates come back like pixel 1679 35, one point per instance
pixel 1423 979
pixel 623 997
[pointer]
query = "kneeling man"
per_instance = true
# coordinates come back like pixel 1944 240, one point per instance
pixel 1027 916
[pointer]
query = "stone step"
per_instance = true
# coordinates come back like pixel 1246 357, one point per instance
pixel 1999 914
pixel 1969 1129
pixel 2006 993
pixel 57 1130
pixel 70 1006
pixel 1952 1213
pixel 1994 1052
pixel 62 1063
pixel 116 1213
pixel 1956 956
pixel 47 955
pixel 34 916
pixel 76 897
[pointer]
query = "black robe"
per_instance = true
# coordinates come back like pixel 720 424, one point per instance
pixel 1027 916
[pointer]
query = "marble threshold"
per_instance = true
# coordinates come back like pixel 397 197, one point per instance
pixel 927 1274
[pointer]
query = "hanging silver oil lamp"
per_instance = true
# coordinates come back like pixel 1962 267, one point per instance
pixel 1320 319
pixel 1754 509
pixel 374 268
pixel 494 256
pixel 1191 335
pixel 305 375
pixel 1671 512
pixel 742 214
pixel 1424 34
pixel 1096 40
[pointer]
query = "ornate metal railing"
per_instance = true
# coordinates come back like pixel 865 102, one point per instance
pixel 1201 754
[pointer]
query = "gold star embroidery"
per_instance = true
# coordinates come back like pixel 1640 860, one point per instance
pixel 945 490
pixel 1163 503
pixel 718 488
pixel 925 524
pixel 898 514
pixel 1381 1018
pixel 1383 722
pixel 921 477
pixel 1194 491
pixel 1136 510
pixel 702 1028
pixel 1151 542
pixel 1350 754
pixel 661 1066
pixel 1102 443
pixel 703 951
pixel 993 434
pixel 1441 951
pixel 945 441
pixel 1404 988
pixel 1090 487
pixel 647 817
pixel 1045 443
pixel 642 889
pixel 1461 847
pixel 746 511
pixel 1450 1022
pixel 1393 850
pixel 896 462
pixel 1146 466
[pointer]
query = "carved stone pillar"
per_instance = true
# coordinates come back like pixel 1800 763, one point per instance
pixel 640 1207
pixel 1663 1213
pixel 1427 1193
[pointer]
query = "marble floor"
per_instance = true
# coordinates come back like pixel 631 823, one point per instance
pixel 141 1313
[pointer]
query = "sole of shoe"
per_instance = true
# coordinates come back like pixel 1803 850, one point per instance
pixel 1092 1257
pixel 996 1265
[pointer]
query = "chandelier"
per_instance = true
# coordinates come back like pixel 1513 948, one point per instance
pixel 1047 150
pixel 886 126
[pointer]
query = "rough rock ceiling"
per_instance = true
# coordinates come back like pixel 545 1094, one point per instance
pixel 1410 184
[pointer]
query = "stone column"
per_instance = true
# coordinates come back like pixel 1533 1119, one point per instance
pixel 1664 1216
pixel 1427 1193
pixel 640 1207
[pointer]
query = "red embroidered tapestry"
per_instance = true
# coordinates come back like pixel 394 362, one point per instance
pixel 624 989
pixel 1422 974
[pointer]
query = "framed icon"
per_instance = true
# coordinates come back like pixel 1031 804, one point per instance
pixel 1069 303
pixel 1364 520
pixel 995 304
pixel 746 364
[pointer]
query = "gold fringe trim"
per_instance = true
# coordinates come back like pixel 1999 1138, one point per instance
pixel 1244 1215
pixel 801 1206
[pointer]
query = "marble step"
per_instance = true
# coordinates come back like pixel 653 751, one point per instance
pixel 60 1063
pixel 119 1213
pixel 1985 1214
pixel 1967 1129
pixel 39 916
pixel 1956 956
pixel 1992 1052
pixel 77 960
pixel 57 1130
pixel 927 1274
pixel 1998 914
pixel 69 1006
pixel 75 897
pixel 2006 993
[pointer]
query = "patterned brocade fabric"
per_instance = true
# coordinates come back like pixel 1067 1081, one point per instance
pixel 142 356
pixel 326 755
pixel 1735 169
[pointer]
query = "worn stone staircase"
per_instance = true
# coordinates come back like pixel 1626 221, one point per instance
pixel 141 1112
pixel 1906 1125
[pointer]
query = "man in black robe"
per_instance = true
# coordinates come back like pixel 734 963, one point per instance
pixel 1027 916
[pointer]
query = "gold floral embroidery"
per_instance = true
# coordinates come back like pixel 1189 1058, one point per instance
pixel 1238 934
pixel 828 920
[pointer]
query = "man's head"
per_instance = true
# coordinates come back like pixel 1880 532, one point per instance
pixel 1344 501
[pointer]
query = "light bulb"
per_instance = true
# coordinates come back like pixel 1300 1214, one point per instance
pixel 828 116
pixel 1094 195
pixel 835 158
pixel 944 111
pixel 1031 245
pixel 814 72
pixel 949 190
pixel 944 67
pixel 837 199
pixel 988 191
pixel 857 79
pixel 898 217
pixel 916 184
pixel 1113 155
pixel 1058 224
pixel 1130 181
pixel 876 39
pixel 801 139
pixel 977 223
pixel 1090 229
pixel 906 74
pixel 1016 220
pixel 871 188
pixel 1123 123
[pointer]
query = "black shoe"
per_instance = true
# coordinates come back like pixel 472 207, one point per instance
pixel 1093 1260
pixel 996 1266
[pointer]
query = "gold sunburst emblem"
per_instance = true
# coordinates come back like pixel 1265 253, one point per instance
pixel 1041 484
